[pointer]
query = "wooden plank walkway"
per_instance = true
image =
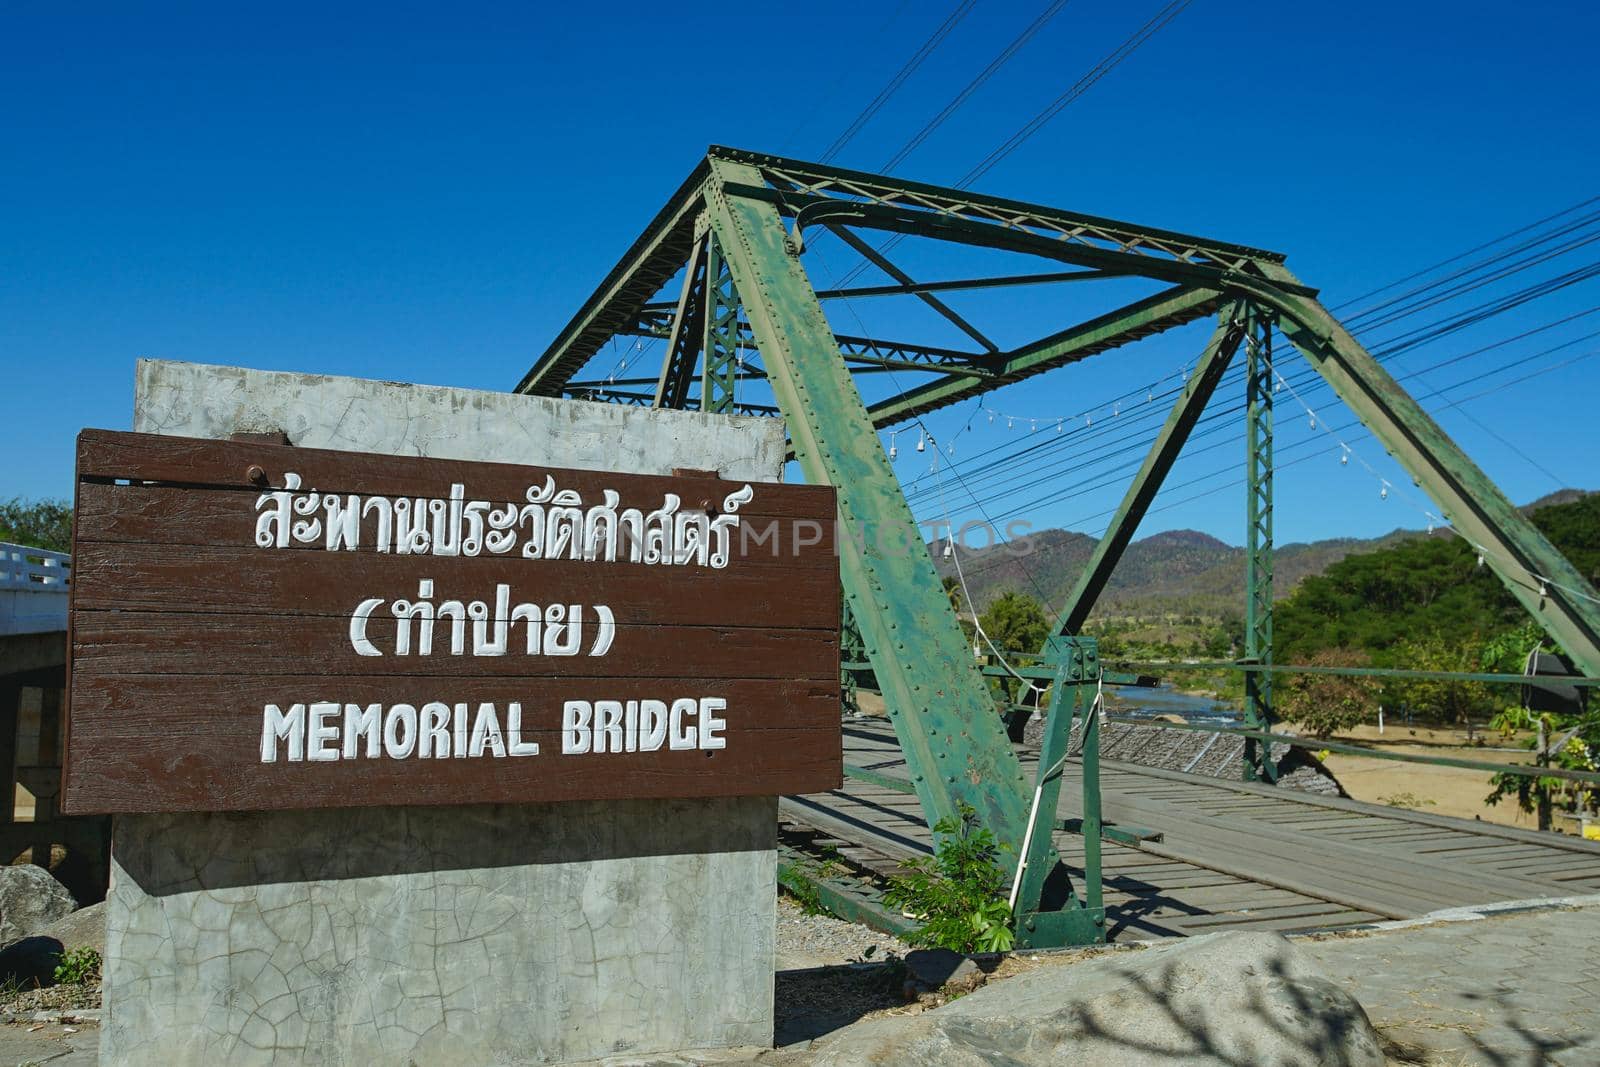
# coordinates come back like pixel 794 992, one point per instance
pixel 1233 854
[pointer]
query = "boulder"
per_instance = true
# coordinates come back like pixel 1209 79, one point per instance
pixel 929 970
pixel 30 900
pixel 1220 1000
pixel 84 928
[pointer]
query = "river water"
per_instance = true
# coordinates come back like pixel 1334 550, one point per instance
pixel 1138 702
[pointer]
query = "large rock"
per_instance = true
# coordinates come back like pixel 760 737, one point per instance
pixel 1222 999
pixel 30 900
pixel 84 928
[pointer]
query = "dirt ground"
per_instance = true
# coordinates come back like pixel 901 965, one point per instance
pixel 1439 790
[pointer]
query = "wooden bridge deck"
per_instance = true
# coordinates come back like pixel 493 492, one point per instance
pixel 1234 854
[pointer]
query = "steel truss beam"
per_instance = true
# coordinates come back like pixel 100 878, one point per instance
pixel 943 714
pixel 1208 371
pixel 1260 326
pixel 751 213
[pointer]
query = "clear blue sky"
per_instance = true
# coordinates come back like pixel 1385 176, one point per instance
pixel 427 192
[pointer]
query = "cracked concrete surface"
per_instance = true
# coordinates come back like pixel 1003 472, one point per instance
pixel 504 934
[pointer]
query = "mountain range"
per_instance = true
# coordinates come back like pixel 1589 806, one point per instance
pixel 1176 572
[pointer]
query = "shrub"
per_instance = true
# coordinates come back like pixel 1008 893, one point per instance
pixel 958 893
pixel 78 966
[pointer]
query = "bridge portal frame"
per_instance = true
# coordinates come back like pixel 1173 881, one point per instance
pixel 737 229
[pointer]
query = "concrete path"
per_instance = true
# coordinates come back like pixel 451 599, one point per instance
pixel 53 1044
pixel 1518 987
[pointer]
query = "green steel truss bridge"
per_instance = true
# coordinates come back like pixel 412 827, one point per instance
pixel 719 283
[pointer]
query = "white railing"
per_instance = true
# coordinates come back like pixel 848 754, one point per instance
pixel 33 589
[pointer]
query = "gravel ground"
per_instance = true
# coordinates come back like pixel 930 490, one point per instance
pixel 822 941
pixel 22 1004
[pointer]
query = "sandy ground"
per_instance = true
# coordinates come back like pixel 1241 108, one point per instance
pixel 1439 790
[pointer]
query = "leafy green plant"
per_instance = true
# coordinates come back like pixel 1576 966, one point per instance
pixel 958 894
pixel 805 895
pixel 78 966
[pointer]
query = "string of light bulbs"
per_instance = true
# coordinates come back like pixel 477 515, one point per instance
pixel 1435 522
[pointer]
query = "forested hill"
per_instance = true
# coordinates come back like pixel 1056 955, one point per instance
pixel 1184 572
pixel 1425 586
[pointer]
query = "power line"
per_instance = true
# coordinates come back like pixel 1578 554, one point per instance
pixel 974 85
pixel 909 68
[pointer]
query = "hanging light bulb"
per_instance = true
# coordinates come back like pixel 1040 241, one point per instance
pixel 1430 524
pixel 1149 396
pixel 1313 420
pixel 894 449
pixel 1010 422
pixel 1058 425
pixel 1344 458
pixel 1542 589
pixel 1383 493
pixel 922 442
pixel 1033 424
pixel 950 449
pixel 991 417
pixel 1116 409
pixel 1480 559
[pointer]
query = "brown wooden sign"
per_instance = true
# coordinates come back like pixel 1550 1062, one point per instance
pixel 256 626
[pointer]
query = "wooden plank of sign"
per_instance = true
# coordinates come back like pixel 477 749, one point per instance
pixel 108 455
pixel 227 580
pixel 169 643
pixel 187 638
pixel 781 736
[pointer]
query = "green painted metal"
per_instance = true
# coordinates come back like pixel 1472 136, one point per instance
pixel 943 715
pixel 685 337
pixel 722 350
pixel 1073 691
pixel 1354 672
pixel 1208 371
pixel 725 231
pixel 1258 538
pixel 1122 835
pixel 883 781
pixel 1152 315
pixel 1525 770
pixel 847 898
pixel 1540 577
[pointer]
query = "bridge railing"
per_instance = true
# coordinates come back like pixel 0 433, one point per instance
pixel 1144 673
pixel 33 589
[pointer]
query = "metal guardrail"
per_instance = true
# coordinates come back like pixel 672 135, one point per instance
pixel 33 589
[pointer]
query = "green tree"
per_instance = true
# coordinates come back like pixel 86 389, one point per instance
pixel 39 523
pixel 1328 703
pixel 1015 622
pixel 1443 700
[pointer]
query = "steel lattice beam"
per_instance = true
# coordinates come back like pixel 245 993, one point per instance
pixel 940 706
pixel 758 209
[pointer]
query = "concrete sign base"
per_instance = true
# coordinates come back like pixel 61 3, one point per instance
pixel 475 934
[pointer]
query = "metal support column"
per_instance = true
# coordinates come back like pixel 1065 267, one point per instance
pixel 684 339
pixel 1049 909
pixel 720 351
pixel 1258 539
